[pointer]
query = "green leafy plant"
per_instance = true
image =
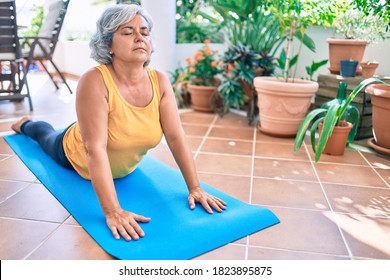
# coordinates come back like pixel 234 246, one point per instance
pixel 179 79
pixel 193 25
pixel 310 70
pixel 293 24
pixel 375 7
pixel 330 117
pixel 354 24
pixel 232 93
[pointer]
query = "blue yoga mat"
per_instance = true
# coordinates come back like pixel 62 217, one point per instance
pixel 154 190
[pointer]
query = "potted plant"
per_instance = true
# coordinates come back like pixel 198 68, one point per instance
pixel 331 120
pixel 358 30
pixel 202 73
pixel 284 102
pixel 368 68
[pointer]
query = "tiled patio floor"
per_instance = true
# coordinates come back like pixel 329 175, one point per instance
pixel 338 208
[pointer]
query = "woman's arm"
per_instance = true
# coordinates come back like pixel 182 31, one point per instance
pixel 174 134
pixel 92 114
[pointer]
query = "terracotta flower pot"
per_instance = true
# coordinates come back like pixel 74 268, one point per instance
pixel 338 139
pixel 368 69
pixel 380 99
pixel 201 97
pixel 283 105
pixel 340 49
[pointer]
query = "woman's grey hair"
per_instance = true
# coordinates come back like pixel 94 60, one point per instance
pixel 111 19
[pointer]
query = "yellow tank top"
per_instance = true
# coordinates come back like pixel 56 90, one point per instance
pixel 132 130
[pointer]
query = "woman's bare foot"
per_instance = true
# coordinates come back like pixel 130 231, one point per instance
pixel 16 126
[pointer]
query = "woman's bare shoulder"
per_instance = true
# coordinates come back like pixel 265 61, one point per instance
pixel 92 79
pixel 91 74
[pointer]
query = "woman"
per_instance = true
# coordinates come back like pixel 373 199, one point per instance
pixel 123 109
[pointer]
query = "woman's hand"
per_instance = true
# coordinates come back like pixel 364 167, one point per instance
pixel 206 200
pixel 125 224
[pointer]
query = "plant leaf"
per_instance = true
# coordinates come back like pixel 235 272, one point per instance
pixel 330 121
pixel 316 65
pixel 313 131
pixel 306 40
pixel 356 91
pixel 304 127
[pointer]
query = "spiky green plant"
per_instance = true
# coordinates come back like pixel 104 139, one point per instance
pixel 330 118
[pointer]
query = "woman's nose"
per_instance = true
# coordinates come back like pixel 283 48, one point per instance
pixel 139 37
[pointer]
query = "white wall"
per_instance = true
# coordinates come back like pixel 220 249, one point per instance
pixel 72 57
pixel 164 33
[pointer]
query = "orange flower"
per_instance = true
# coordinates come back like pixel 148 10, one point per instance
pixel 207 41
pixel 208 51
pixel 199 55
pixel 203 67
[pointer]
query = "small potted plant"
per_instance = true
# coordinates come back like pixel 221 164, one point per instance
pixel 328 120
pixel 202 73
pixel 369 68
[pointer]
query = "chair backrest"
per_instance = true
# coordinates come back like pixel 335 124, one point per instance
pixel 9 40
pixel 51 26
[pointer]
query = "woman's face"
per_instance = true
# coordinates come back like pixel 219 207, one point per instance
pixel 131 42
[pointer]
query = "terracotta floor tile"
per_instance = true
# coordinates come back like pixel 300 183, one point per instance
pixel 70 243
pixel 359 200
pixel 9 188
pixel 194 142
pixel 267 138
pixel 367 237
pixel 12 168
pixel 231 120
pixel 227 252
pixel 284 169
pixel 378 160
pixel 164 154
pixel 4 147
pixel 236 186
pixel 224 164
pixel 71 221
pixel 349 174
pixel 350 157
pixel 258 253
pixel 19 237
pixel 279 150
pixel 193 117
pixel 384 174
pixel 301 230
pixel 232 133
pixel 195 130
pixel 34 203
pixel 227 146
pixel 288 193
